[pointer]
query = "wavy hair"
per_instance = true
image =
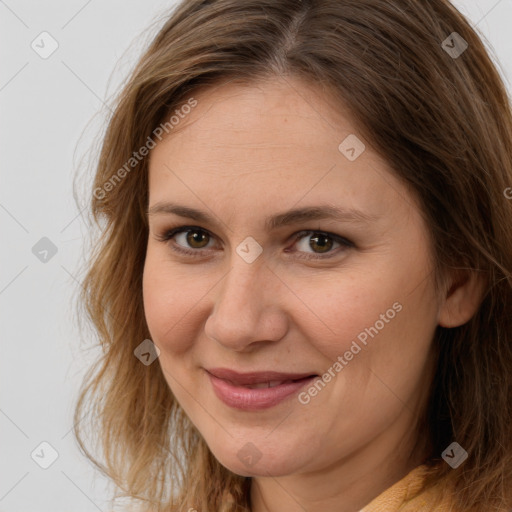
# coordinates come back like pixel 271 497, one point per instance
pixel 441 120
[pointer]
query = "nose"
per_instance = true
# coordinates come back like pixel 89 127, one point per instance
pixel 247 310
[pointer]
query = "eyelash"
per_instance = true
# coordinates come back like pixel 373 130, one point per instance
pixel 168 235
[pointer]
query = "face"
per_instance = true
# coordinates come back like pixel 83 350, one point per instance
pixel 340 304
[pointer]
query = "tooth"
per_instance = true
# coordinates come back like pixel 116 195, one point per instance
pixel 259 385
pixel 269 384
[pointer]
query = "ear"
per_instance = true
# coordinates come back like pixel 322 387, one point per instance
pixel 462 297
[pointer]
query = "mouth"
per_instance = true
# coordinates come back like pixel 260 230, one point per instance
pixel 256 390
pixel 269 384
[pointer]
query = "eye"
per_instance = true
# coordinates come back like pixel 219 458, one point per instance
pixel 186 237
pixel 191 240
pixel 321 243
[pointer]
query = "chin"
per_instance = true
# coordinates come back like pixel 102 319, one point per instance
pixel 250 462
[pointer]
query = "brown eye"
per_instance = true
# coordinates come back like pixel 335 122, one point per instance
pixel 193 241
pixel 197 238
pixel 188 240
pixel 321 243
pixel 317 244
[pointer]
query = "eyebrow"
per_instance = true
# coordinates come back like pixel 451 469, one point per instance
pixel 294 216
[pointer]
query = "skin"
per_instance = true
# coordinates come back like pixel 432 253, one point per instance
pixel 245 153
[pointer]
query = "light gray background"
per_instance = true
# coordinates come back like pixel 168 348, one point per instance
pixel 46 106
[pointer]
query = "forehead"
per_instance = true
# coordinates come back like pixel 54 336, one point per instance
pixel 271 145
pixel 273 116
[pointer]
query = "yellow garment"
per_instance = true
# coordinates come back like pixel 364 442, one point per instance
pixel 399 497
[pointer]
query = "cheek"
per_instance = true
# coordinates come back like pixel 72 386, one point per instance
pixel 375 352
pixel 340 307
pixel 379 318
pixel 169 300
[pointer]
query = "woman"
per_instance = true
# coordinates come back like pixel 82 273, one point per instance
pixel 245 369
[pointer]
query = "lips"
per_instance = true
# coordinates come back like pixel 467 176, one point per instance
pixel 256 390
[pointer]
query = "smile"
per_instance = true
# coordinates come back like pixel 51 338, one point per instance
pixel 257 390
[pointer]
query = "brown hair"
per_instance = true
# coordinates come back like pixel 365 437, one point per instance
pixel 444 124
